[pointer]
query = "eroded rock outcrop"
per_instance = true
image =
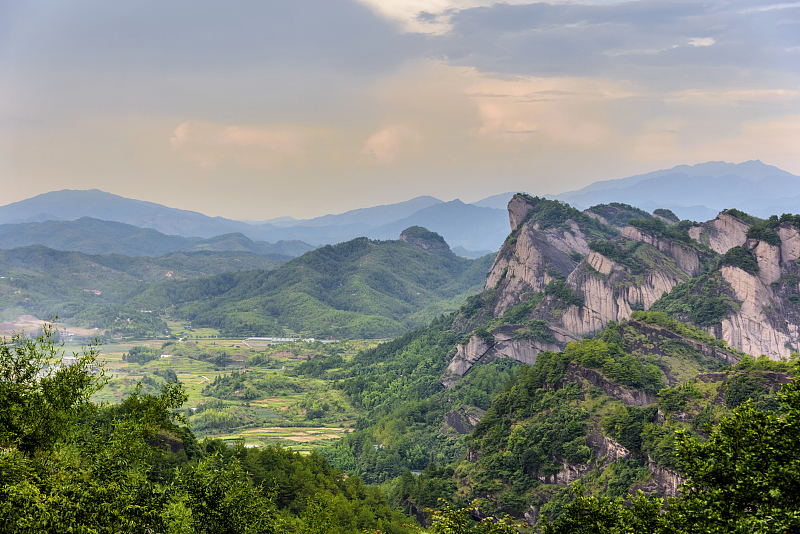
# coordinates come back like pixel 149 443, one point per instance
pixel 657 332
pixel 502 345
pixel 762 324
pixel 768 258
pixel 527 265
pixel 721 234
pixel 687 259
pixel 425 239
pixel 533 257
pixel 790 242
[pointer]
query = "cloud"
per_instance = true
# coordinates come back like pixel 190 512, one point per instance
pixel 208 144
pixel 385 144
pixel 701 41
pixel 649 41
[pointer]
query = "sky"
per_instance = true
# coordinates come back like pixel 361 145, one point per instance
pixel 254 109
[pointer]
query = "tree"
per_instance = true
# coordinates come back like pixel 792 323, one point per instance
pixel 67 465
pixel 743 479
pixel 451 520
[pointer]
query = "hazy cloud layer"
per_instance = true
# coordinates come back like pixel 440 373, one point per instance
pixel 701 43
pixel 337 104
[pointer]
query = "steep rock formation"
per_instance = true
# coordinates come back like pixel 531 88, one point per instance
pixel 687 259
pixel 764 323
pixel 721 234
pixel 790 242
pixel 502 345
pixel 609 298
pixel 533 257
pixel 518 208
pixel 527 265
pixel 665 481
pixel 594 215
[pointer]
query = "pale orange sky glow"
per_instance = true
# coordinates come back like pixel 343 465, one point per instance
pixel 257 111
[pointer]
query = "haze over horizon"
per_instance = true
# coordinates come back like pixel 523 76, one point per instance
pixel 260 110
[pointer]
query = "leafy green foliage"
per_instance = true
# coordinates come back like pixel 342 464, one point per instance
pixel 674 399
pixel 743 387
pixel 560 290
pixel 764 232
pixel 424 488
pixel 67 465
pixel 667 214
pixel 250 385
pixel 42 402
pixel 140 354
pixel 705 300
pixel 742 479
pixel 627 423
pixel 452 520
pixel 740 257
pixel 621 256
pixel 590 514
pixel 618 214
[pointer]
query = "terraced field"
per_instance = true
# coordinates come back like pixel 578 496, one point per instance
pixel 240 393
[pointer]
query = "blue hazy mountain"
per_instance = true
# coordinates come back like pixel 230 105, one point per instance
pixel 698 191
pixel 95 236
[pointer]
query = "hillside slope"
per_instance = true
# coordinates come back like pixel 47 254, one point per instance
pixel 93 290
pixel 605 383
pixel 360 288
pixel 95 236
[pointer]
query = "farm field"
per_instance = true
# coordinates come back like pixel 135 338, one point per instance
pixel 259 394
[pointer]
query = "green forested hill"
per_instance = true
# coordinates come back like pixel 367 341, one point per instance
pixel 88 289
pixel 95 236
pixel 360 288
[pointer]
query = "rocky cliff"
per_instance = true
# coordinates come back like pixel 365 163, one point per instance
pixel 766 321
pixel 581 289
pixel 721 234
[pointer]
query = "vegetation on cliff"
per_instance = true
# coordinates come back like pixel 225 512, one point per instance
pixel 618 214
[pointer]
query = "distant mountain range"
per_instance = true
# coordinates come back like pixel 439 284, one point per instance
pixel 698 192
pixel 467 227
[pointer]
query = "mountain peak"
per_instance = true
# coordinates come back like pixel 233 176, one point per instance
pixel 425 239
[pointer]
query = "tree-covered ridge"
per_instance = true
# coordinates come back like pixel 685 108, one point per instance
pixel 94 291
pixel 678 232
pixel 99 237
pixel 742 216
pixel 666 214
pixel 741 479
pixel 360 288
pixel 551 418
pixel 553 213
pixel 618 214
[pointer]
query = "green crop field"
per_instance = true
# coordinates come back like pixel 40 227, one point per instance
pixel 259 394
